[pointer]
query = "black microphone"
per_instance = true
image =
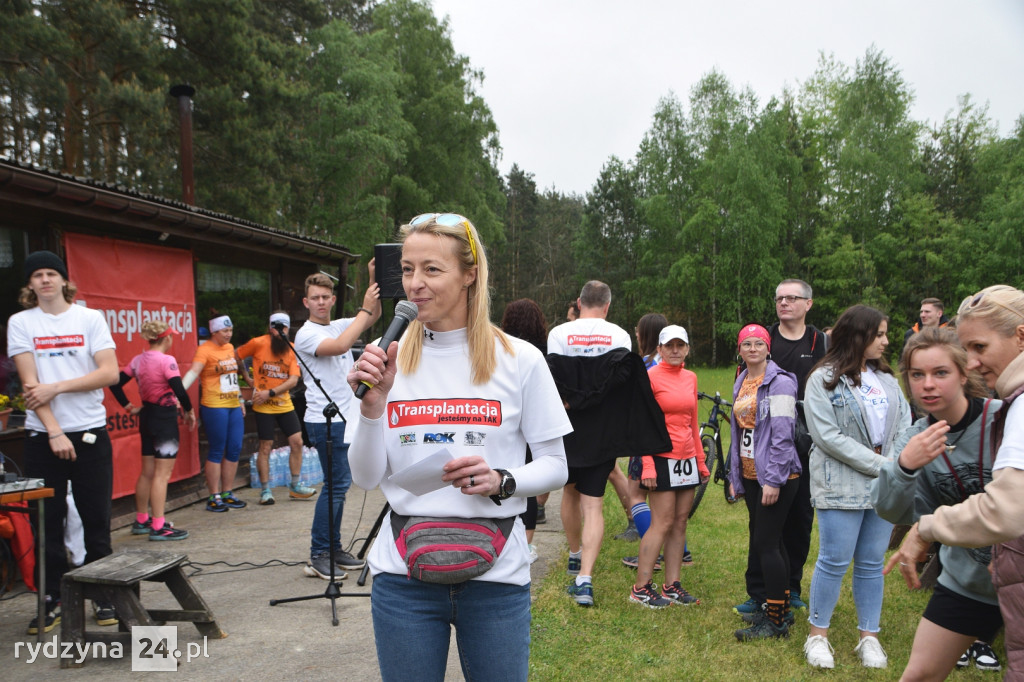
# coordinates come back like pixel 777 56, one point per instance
pixel 405 312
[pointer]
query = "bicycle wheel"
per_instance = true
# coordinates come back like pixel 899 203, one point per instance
pixel 711 461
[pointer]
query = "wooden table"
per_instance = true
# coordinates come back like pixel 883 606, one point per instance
pixel 40 494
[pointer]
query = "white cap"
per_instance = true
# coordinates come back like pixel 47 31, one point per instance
pixel 673 331
pixel 282 318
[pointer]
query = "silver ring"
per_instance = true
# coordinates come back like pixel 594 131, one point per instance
pixel 903 564
pixel 472 481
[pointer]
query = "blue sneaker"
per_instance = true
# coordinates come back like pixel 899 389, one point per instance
pixel 574 565
pixel 583 594
pixel 230 500
pixel 749 606
pixel 796 603
pixel 216 504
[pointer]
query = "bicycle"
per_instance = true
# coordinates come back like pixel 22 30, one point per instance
pixel 711 441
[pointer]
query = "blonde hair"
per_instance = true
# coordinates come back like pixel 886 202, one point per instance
pixel 480 332
pixel 1000 307
pixel 152 329
pixel 28 299
pixel 947 340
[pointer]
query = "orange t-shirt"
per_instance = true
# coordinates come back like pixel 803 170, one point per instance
pixel 219 376
pixel 270 371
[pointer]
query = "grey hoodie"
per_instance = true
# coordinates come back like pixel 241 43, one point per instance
pixel 901 497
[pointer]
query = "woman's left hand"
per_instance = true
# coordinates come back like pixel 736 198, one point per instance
pixel 649 483
pixel 472 476
pixel 912 550
pixel 769 496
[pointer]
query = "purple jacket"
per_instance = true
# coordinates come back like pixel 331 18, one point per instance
pixel 775 456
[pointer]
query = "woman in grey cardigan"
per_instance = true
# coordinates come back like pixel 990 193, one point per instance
pixel 855 413
pixel 944 458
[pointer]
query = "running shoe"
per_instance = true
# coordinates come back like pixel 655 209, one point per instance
pixel 168 532
pixel 52 619
pixel 984 657
pixel 757 616
pixel 796 603
pixel 583 594
pixel 216 504
pixel 531 553
pixel 142 528
pixel 870 653
pixel 542 517
pixel 676 593
pixel 648 595
pixel 819 652
pixel 687 558
pixel 762 629
pixel 574 565
pixel 230 500
pixel 750 606
pixel 104 613
pixel 631 534
pixel 634 561
pixel 297 491
pixel 266 497
pixel 347 560
pixel 965 658
pixel 319 566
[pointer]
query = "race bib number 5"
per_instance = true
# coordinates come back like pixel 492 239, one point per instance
pixel 683 472
pixel 747 443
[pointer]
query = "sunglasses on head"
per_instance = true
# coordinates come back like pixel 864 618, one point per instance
pixel 972 303
pixel 448 220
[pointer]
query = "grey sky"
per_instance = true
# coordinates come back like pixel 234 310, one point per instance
pixel 573 82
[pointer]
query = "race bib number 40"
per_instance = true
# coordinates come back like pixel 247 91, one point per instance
pixel 682 472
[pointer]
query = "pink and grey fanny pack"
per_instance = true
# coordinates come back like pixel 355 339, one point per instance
pixel 449 550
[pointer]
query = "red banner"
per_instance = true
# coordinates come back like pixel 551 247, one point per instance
pixel 130 284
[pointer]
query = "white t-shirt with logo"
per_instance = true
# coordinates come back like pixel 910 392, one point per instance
pixel 588 336
pixel 332 370
pixel 440 407
pixel 64 347
pixel 875 404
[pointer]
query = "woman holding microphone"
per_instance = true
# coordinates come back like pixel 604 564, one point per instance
pixel 454 382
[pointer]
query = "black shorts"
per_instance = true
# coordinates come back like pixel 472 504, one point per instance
pixel 963 615
pixel 265 423
pixel 158 426
pixel 669 471
pixel 591 480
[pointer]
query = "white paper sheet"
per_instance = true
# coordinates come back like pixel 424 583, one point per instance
pixel 425 475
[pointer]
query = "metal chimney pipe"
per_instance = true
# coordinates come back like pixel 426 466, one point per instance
pixel 184 94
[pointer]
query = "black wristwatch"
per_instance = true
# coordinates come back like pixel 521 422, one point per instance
pixel 506 487
pixel 272 394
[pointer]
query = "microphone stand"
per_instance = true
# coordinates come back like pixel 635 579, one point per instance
pixel 333 592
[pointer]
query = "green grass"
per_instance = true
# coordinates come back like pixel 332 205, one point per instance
pixel 617 639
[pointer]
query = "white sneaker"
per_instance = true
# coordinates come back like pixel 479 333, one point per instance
pixel 871 654
pixel 532 555
pixel 819 652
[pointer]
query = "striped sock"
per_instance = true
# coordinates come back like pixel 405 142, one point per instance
pixel 641 517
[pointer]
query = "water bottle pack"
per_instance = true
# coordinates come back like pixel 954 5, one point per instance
pixel 280 470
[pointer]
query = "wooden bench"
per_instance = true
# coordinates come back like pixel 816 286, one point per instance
pixel 115 579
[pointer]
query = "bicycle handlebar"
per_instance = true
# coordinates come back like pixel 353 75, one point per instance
pixel 717 398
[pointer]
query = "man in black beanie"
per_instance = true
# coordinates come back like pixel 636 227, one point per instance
pixel 65 356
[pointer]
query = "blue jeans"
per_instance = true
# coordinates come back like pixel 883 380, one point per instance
pixel 412 626
pixel 322 535
pixel 859 535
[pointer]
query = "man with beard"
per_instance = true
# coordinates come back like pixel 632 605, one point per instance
pixel 275 371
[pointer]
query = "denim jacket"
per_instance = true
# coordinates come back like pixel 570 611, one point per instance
pixel 843 462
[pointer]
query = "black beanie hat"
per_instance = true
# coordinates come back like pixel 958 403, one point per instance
pixel 38 260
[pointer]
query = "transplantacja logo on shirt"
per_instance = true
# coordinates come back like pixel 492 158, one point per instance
pixel 590 340
pixel 406 413
pixel 49 342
